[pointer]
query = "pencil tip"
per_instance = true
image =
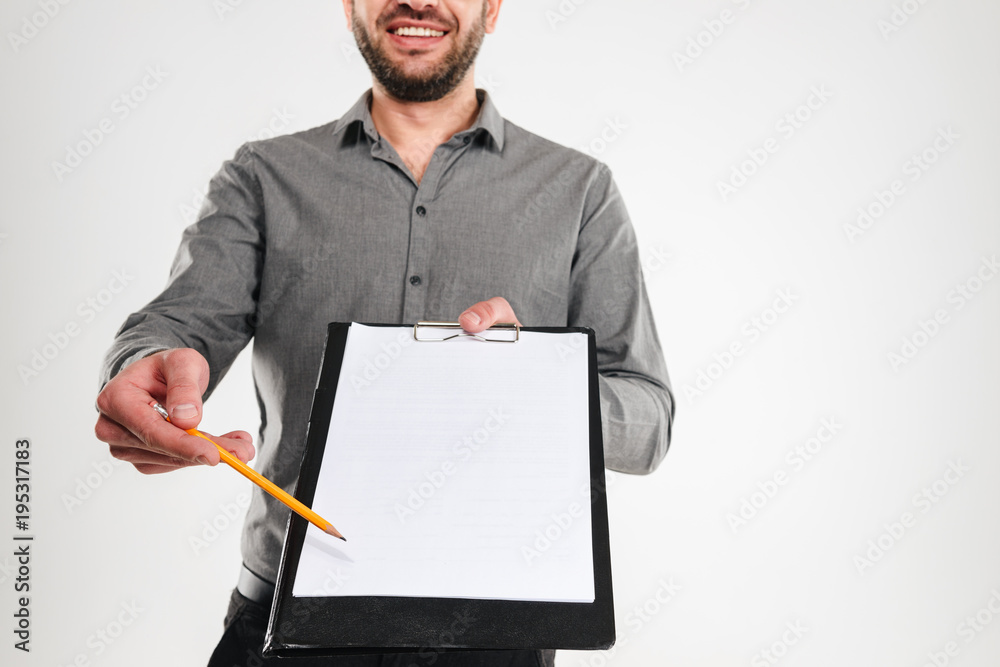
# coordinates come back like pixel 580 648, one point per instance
pixel 330 530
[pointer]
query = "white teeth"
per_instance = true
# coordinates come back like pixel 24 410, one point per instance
pixel 408 31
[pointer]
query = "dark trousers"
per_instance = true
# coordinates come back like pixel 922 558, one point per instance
pixel 243 639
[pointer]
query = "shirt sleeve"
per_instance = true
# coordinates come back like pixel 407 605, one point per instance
pixel 608 294
pixel 210 301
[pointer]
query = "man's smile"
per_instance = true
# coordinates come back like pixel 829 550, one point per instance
pixel 413 31
pixel 411 34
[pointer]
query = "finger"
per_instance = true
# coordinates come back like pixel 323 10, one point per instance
pixel 138 454
pixel 115 434
pixel 121 439
pixel 186 374
pixel 124 446
pixel 159 435
pixel 240 444
pixel 144 458
pixel 485 314
pixel 147 469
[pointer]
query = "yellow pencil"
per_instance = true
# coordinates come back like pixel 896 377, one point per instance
pixel 263 482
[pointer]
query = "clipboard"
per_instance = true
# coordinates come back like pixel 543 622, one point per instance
pixel 303 625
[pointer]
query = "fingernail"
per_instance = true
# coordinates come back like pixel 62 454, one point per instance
pixel 474 319
pixel 185 411
pixel 202 460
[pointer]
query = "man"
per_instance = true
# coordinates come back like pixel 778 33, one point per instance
pixel 419 201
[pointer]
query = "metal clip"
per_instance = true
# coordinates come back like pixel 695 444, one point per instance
pixel 499 326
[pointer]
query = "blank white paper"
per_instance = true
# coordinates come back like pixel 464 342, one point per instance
pixel 455 469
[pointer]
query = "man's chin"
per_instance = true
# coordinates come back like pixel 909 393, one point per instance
pixel 415 92
pixel 418 84
pixel 418 65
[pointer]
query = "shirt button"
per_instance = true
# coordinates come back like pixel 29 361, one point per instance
pixel 421 211
pixel 414 280
pixel 466 139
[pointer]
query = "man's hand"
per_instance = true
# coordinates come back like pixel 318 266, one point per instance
pixel 138 434
pixel 485 314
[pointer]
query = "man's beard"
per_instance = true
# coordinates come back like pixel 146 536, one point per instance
pixel 427 87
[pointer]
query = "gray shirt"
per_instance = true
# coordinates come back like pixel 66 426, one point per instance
pixel 329 225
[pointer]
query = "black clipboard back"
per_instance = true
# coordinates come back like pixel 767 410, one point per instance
pixel 314 626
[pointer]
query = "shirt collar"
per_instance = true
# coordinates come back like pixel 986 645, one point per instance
pixel 488 120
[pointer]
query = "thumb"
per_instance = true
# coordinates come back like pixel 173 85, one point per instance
pixel 185 372
pixel 483 315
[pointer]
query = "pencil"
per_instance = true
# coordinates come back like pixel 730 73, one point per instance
pixel 263 482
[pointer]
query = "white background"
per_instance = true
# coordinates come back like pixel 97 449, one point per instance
pixel 671 132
